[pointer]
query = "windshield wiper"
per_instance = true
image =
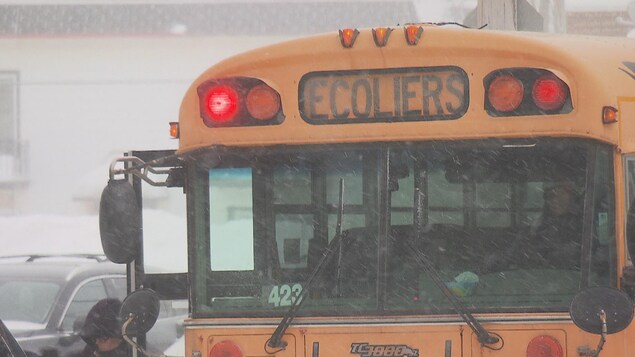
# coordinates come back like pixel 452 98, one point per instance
pixel 275 341
pixel 484 337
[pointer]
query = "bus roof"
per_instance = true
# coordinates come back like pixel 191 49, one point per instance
pixel 597 71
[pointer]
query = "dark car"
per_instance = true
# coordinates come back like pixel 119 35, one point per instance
pixel 44 299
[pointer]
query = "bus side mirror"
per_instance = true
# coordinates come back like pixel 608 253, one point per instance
pixel 139 312
pixel 588 304
pixel 601 311
pixel 119 222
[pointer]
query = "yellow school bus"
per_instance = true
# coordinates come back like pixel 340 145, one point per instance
pixel 412 191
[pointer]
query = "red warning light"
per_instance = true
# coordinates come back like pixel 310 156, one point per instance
pixel 225 348
pixel 549 92
pixel 239 101
pixel 221 103
pixel 522 91
pixel 544 346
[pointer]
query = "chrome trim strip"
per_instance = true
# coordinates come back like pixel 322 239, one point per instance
pixel 412 321
pixel 42 337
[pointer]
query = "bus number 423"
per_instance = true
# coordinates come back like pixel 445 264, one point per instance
pixel 284 295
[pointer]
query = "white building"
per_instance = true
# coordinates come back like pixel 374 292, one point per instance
pixel 81 81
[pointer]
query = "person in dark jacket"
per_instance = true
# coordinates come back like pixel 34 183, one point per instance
pixel 102 331
pixel 558 234
pixel 552 242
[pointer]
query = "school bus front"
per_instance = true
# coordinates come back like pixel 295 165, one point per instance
pixel 430 192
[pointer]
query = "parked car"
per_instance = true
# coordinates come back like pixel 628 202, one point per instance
pixel 44 300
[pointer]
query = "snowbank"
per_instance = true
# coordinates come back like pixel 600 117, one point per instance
pixel 49 234
pixel 165 246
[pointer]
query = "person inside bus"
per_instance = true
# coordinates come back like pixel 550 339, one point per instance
pixel 555 239
pixel 102 331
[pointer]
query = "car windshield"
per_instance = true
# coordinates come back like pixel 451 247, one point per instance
pixel 26 300
pixel 503 223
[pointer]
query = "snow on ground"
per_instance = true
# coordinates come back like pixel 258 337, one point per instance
pixel 49 234
pixel 165 246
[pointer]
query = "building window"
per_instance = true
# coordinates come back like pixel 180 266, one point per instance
pixel 10 149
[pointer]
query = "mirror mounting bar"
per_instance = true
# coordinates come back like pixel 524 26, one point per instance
pixel 144 170
pixel 130 341
pixel 587 351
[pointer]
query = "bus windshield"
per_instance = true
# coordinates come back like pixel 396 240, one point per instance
pixel 508 225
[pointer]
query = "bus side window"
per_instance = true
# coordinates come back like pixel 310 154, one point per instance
pixel 232 226
pixel 630 229
pixel 628 276
pixel 630 217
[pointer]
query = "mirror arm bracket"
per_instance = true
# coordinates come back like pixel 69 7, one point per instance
pixel 586 350
pixel 146 171
pixel 131 342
